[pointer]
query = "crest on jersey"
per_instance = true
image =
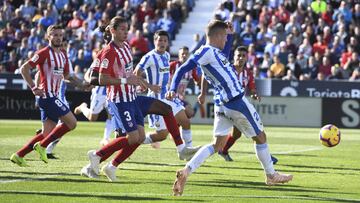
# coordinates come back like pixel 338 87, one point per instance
pixel 104 63
pixel 35 58
pixel 95 63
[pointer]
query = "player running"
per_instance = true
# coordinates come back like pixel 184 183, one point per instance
pixel 53 64
pixel 156 66
pixel 233 109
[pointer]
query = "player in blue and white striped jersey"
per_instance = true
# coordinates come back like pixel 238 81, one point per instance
pixel 156 66
pixel 233 109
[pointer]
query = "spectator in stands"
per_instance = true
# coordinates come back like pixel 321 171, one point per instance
pixel 305 48
pixel 126 11
pixel 46 20
pixel 318 6
pixel 293 66
pixel 66 14
pixel 23 50
pixel 319 46
pixel 76 22
pixel 283 53
pixel 345 56
pixel 277 69
pixel 168 24
pixel 289 75
pixel 355 75
pixel 336 46
pixel 325 67
pixel 80 61
pixel 90 20
pixel 53 13
pixel 252 59
pixel 297 36
pixel 247 37
pixel 351 64
pixel 143 11
pixel 139 45
pixel 272 47
pixel 290 46
pixel 336 73
pixel 222 12
pixel 282 14
pixel 27 10
pixel 312 69
pixel 262 37
pixel 344 11
pixel 265 65
pixel 292 23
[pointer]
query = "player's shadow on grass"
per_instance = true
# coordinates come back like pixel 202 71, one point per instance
pixel 257 186
pixel 105 196
pixel 41 173
pixel 322 167
pixel 167 171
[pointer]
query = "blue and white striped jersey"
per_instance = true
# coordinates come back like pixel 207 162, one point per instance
pixel 217 71
pixel 157 69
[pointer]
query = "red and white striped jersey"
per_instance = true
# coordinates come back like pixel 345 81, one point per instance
pixel 117 62
pixel 52 66
pixel 247 79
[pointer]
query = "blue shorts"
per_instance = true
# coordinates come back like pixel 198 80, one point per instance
pixel 126 115
pixel 144 104
pixel 52 108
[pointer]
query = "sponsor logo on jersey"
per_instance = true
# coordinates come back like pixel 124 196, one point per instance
pixel 35 58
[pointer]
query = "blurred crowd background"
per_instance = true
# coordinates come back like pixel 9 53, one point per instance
pixel 286 39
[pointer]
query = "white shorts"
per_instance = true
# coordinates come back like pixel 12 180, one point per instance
pixel 157 122
pixel 97 100
pixel 240 114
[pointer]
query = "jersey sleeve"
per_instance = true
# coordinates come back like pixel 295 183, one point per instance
pixel 67 65
pixel 107 62
pixel 38 58
pixel 172 67
pixel 202 56
pixel 251 84
pixel 145 62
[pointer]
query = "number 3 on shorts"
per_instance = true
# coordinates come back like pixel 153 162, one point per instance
pixel 127 114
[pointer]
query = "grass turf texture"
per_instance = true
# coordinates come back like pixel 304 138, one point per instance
pixel 320 174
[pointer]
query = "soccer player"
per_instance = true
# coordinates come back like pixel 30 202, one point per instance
pixel 156 66
pixel 183 55
pixel 53 65
pixel 233 109
pixel 245 76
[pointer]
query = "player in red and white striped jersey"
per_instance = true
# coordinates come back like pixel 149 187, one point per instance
pixel 53 64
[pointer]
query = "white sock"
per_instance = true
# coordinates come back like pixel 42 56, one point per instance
pixel 109 128
pixel 200 156
pixel 52 146
pixel 187 137
pixel 111 165
pixel 263 154
pixel 148 139
pixel 86 111
pixel 180 147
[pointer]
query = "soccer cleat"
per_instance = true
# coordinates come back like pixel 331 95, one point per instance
pixel 226 156
pixel 104 142
pixel 110 172
pixel 155 145
pixel 51 156
pixel 77 110
pixel 278 178
pixel 188 152
pixel 88 172
pixel 94 161
pixel 274 160
pixel 18 160
pixel 179 184
pixel 42 152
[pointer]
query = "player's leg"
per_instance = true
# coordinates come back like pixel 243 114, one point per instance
pixel 109 128
pixel 247 120
pixel 189 110
pixel 222 127
pixel 231 138
pixel 56 109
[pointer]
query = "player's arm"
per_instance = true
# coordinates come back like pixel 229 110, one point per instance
pixel 229 40
pixel 179 73
pixel 38 58
pixel 204 86
pixel 252 86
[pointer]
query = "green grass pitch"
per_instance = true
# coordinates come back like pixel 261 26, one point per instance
pixel 320 174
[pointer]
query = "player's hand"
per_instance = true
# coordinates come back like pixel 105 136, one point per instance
pixel 170 95
pixel 38 92
pixel 255 97
pixel 133 80
pixel 201 98
pixel 155 88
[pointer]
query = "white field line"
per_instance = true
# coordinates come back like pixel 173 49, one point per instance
pixel 50 176
pixel 100 194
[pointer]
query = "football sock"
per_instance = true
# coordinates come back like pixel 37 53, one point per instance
pixel 115 145
pixel 229 142
pixel 148 139
pixel 263 154
pixel 180 147
pixel 55 134
pixel 86 111
pixel 109 128
pixel 200 156
pixel 29 146
pixel 173 128
pixel 52 146
pixel 187 137
pixel 124 154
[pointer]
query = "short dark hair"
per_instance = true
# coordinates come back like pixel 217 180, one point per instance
pixel 159 33
pixel 241 48
pixel 106 33
pixel 184 48
pixel 215 26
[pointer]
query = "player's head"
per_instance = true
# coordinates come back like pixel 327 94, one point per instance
pixel 240 56
pixel 216 33
pixel 118 27
pixel 183 54
pixel 106 33
pixel 161 41
pixel 55 34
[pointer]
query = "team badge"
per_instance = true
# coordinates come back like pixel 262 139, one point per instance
pixel 104 63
